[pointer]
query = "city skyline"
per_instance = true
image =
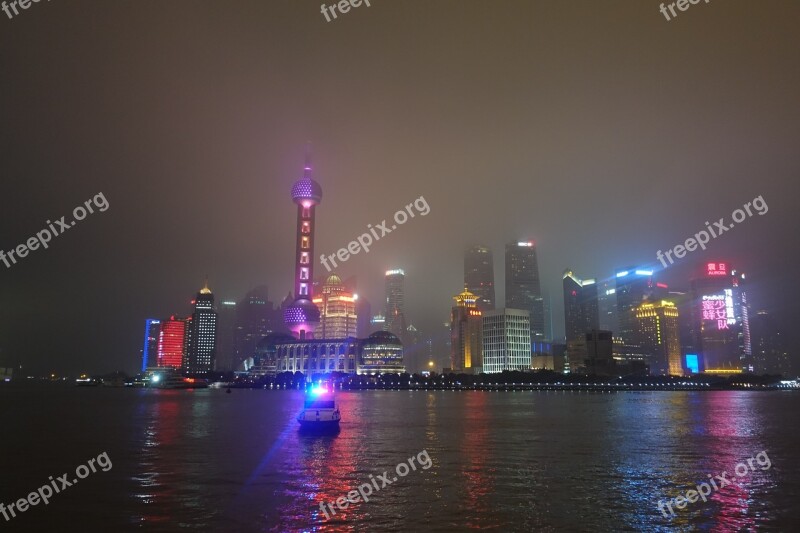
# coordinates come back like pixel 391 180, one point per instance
pixel 495 167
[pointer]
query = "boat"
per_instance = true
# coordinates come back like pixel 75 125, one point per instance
pixel 320 411
pixel 174 381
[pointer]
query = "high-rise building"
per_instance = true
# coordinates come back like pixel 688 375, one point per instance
pixel 466 326
pixel 632 287
pixel 721 318
pixel 337 305
pixel 659 333
pixel 395 303
pixel 256 317
pixel 200 354
pixel 506 339
pixel 302 316
pixel 607 307
pixel 769 346
pixel 363 317
pixel 581 307
pixel 152 327
pixel 523 286
pixel 227 357
pixel 479 275
pixel 171 342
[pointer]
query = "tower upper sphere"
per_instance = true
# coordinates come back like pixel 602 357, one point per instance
pixel 306 190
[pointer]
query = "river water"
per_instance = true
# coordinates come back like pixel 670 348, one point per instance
pixel 502 461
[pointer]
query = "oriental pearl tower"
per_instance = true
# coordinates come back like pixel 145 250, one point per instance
pixel 302 316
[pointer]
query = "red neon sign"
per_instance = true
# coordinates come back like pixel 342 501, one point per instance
pixel 716 269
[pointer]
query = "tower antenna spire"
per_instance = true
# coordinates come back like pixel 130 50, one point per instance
pixel 307 166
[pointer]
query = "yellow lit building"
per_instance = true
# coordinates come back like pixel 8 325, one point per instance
pixel 660 337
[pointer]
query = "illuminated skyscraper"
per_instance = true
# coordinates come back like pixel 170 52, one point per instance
pixel 152 327
pixel 523 287
pixel 396 303
pixel 202 338
pixel 633 287
pixel 506 340
pixel 337 307
pixel 171 341
pixel 721 318
pixel 227 357
pixel 659 334
pixel 580 306
pixel 466 327
pixel 479 276
pixel 302 316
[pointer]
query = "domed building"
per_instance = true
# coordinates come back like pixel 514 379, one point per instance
pixel 381 353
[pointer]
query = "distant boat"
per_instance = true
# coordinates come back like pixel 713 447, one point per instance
pixel 320 411
pixel 173 381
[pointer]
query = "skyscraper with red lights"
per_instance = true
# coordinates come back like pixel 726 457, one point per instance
pixel 302 316
pixel 171 342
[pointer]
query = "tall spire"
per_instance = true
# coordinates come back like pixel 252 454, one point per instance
pixel 205 289
pixel 307 166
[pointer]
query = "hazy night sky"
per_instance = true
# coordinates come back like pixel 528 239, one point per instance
pixel 597 129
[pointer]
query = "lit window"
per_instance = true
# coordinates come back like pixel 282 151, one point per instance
pixel 304 258
pixel 304 242
pixel 303 273
pixel 306 228
pixel 303 289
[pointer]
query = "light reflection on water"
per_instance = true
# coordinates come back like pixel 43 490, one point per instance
pixel 551 461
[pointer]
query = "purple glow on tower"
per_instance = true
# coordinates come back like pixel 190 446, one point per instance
pixel 302 316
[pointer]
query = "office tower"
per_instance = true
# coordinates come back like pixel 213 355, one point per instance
pixel 171 342
pixel 337 307
pixel 632 287
pixel 227 359
pixel 607 307
pixel 200 353
pixel 152 327
pixel 506 339
pixel 523 288
pixel 581 307
pixel 395 303
pixel 721 318
pixel 302 316
pixel 479 275
pixel 363 317
pixel 659 333
pixel 466 326
pixel 769 346
pixel 256 318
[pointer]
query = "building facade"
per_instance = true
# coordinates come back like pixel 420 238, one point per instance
pixel 581 309
pixel 171 342
pixel 466 332
pixel 395 311
pixel 337 305
pixel 152 328
pixel 479 276
pixel 721 319
pixel 506 339
pixel 523 286
pixel 200 353
pixel 659 331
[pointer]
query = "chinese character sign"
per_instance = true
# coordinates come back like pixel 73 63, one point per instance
pixel 715 310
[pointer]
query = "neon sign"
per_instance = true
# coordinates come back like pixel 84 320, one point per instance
pixel 719 308
pixel 716 269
